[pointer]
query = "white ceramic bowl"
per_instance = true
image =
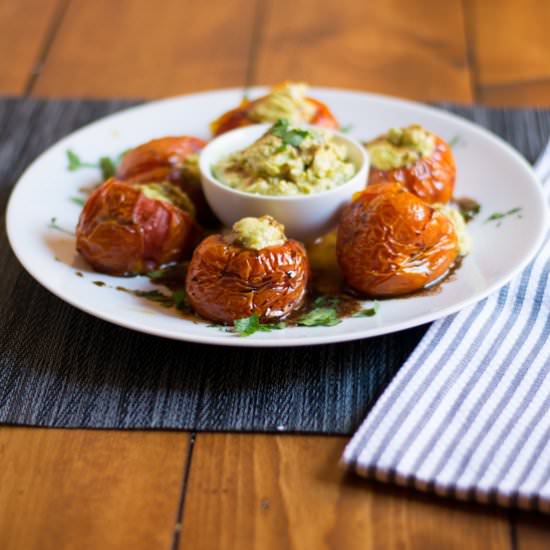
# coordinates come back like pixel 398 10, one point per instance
pixel 305 217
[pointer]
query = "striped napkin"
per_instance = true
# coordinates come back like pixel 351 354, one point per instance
pixel 468 414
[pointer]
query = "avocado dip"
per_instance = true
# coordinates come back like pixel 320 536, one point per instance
pixel 258 233
pixel 287 160
pixel 400 147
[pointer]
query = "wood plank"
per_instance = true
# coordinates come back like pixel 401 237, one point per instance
pixel 536 93
pixel 139 48
pixel 24 27
pixel 89 489
pixel 510 42
pixel 510 50
pixel 532 531
pixel 263 491
pixel 411 49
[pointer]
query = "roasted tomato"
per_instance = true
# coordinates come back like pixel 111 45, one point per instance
pixel 418 159
pixel 173 159
pixel 285 101
pixel 126 229
pixel 390 242
pixel 253 270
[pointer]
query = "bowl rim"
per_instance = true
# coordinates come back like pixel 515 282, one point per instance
pixel 206 173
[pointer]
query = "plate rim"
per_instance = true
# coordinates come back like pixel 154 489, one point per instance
pixel 317 339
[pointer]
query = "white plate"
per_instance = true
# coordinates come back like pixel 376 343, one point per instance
pixel 488 170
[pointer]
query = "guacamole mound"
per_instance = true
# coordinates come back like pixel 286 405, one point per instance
pixel 258 233
pixel 165 191
pixel 288 101
pixel 287 160
pixel 401 147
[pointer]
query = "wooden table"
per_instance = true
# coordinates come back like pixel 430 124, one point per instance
pixel 108 489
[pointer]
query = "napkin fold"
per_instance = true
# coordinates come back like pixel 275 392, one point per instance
pixel 468 414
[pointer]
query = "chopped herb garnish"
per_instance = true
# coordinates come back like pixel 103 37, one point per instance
pixel 75 163
pixel 173 273
pixel 250 325
pixel 177 299
pixel 368 312
pixel 105 164
pixel 454 141
pixel 500 215
pixel 107 167
pixel 180 300
pixel 326 301
pixel 289 136
pixel 346 129
pixel 320 317
pixel 53 225
pixel 469 208
pixel 247 326
pixel 78 200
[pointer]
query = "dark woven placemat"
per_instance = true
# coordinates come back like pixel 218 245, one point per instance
pixel 60 367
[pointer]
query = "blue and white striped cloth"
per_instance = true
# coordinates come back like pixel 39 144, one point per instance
pixel 468 414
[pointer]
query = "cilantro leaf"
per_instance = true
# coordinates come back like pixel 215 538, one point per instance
pixel 106 164
pixel 469 208
pixel 247 325
pixel 320 317
pixel 250 325
pixel 180 300
pixel 74 160
pixel 272 326
pixel 78 200
pixel 326 301
pixel 75 163
pixel 107 167
pixel 54 225
pixel 368 312
pixel 289 136
pixel 174 273
pixel 501 215
pixel 177 299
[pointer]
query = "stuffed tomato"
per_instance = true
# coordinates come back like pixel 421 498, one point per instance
pixel 128 229
pixel 390 242
pixel 286 101
pixel 253 270
pixel 173 159
pixel 420 160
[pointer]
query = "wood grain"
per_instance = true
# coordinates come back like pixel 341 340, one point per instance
pixel 24 27
pixel 89 489
pixel 510 50
pixel 530 94
pixel 532 531
pixel 410 49
pixel 140 48
pixel 271 492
